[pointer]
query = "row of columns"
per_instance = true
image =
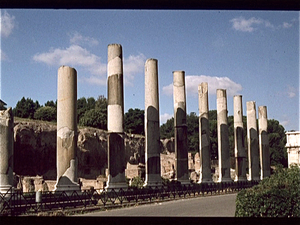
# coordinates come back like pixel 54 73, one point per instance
pixel 67 162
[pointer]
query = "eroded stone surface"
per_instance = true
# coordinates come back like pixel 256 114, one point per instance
pixel 252 137
pixel 223 137
pixel 239 144
pixel 6 150
pixel 204 139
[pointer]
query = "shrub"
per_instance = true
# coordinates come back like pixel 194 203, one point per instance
pixel 137 182
pixel 276 196
pixel 46 113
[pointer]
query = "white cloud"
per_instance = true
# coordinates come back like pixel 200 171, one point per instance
pixel 287 25
pixel 249 25
pixel 77 39
pixel 133 65
pixel 214 83
pixel 291 91
pixel 77 56
pixel 164 117
pixel 73 56
pixel 7 24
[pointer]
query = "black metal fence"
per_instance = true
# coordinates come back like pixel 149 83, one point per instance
pixel 16 202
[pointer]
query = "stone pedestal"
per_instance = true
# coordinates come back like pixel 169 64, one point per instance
pixel 239 142
pixel 152 135
pixel 6 150
pixel 252 137
pixel 66 151
pixel 223 137
pixel 115 119
pixel 204 139
pixel 180 128
pixel 264 152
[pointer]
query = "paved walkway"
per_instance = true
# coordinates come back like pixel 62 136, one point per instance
pixel 209 206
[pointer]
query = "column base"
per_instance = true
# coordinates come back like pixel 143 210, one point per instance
pixel 223 180
pixel 6 189
pixel 205 182
pixel 240 179
pixel 65 184
pixel 116 186
pixel 153 184
pixel 184 182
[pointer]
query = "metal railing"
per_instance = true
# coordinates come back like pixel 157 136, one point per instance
pixel 16 202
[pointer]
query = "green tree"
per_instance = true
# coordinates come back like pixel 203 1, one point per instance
pixel 277 141
pixel 46 113
pixel 92 112
pixel 26 108
pixel 134 121
pixel 84 105
pixel 94 118
pixel 51 104
pixel 167 129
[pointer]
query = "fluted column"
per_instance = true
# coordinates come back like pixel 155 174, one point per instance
pixel 66 150
pixel 6 149
pixel 152 135
pixel 253 153
pixel 223 137
pixel 239 142
pixel 180 128
pixel 204 139
pixel 264 152
pixel 115 119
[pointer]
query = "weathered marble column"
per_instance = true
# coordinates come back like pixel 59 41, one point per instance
pixel 6 150
pixel 264 152
pixel 223 137
pixel 204 139
pixel 253 154
pixel 115 119
pixel 239 142
pixel 66 149
pixel 180 128
pixel 152 135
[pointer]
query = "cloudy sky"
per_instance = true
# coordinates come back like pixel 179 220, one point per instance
pixel 251 53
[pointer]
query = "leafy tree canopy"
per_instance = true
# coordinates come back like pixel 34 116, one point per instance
pixel 134 121
pixel 26 108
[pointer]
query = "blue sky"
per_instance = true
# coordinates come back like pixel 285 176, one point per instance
pixel 252 53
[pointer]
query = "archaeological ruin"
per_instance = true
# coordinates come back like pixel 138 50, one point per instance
pixel 148 159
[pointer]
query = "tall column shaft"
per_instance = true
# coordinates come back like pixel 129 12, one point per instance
pixel 264 151
pixel 239 143
pixel 152 135
pixel 180 128
pixel 115 119
pixel 253 154
pixel 6 149
pixel 204 139
pixel 223 137
pixel 66 150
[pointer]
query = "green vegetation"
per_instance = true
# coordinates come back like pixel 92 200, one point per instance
pixel 134 121
pixel 276 196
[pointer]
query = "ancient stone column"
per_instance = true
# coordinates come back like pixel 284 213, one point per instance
pixel 152 136
pixel 66 149
pixel 204 139
pixel 115 119
pixel 223 137
pixel 253 154
pixel 180 128
pixel 6 150
pixel 264 152
pixel 239 142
